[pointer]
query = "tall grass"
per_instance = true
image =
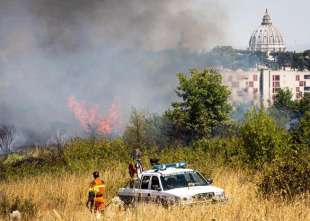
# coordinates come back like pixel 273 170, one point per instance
pixel 63 197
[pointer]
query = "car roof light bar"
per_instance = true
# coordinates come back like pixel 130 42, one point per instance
pixel 169 165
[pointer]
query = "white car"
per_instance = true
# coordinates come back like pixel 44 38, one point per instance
pixel 169 184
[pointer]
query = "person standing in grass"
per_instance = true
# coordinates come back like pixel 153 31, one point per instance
pixel 96 200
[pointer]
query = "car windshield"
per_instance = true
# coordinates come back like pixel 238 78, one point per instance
pixel 182 180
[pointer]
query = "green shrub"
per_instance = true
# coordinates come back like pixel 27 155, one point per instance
pixel 261 138
pixel 31 167
pixel 2 171
pixel 205 155
pixel 301 131
pixel 83 155
pixel 78 155
pixel 288 175
pixel 221 151
pixel 13 158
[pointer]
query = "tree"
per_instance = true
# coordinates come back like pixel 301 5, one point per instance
pixel 287 110
pixel 298 62
pixel 157 128
pixel 283 109
pixel 59 140
pixel 261 137
pixel 146 129
pixel 135 131
pixel 7 138
pixel 303 105
pixel 301 132
pixel 204 105
pixel 283 99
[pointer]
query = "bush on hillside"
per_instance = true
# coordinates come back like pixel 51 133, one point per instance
pixel 84 154
pixel 13 158
pixel 221 151
pixel 301 131
pixel 32 167
pixel 2 171
pixel 261 138
pixel 288 175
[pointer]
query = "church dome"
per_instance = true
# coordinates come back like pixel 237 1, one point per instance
pixel 267 38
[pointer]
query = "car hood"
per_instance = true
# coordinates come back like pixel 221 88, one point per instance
pixel 192 191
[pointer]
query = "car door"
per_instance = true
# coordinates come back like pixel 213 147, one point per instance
pixel 144 192
pixel 155 194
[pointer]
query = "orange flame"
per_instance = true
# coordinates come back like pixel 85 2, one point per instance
pixel 91 119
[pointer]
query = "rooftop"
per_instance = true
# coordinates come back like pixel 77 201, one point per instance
pixel 167 171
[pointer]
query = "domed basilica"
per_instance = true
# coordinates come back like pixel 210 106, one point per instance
pixel 266 38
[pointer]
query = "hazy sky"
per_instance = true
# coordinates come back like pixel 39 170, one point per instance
pixel 290 17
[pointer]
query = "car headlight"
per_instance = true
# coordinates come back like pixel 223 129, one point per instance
pixel 183 199
pixel 220 195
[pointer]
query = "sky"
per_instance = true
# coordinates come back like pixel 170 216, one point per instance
pixel 290 17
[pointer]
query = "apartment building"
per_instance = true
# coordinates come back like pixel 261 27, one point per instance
pixel 259 86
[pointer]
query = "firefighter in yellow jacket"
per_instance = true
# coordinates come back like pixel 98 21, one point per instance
pixel 96 200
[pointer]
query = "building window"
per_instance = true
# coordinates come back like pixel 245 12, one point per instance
pixel 255 90
pixel 297 78
pixel 275 90
pixel 307 89
pixel 307 77
pixel 251 84
pixel 301 83
pixel 299 95
pixel 255 77
pixel 276 84
pixel 297 89
pixel 276 77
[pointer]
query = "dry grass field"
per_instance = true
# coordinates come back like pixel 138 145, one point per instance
pixel 64 197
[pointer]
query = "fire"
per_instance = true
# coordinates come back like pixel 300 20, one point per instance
pixel 91 119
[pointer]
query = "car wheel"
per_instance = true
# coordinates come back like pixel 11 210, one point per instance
pixel 164 203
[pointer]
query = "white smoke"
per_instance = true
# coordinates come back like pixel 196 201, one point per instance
pixel 96 50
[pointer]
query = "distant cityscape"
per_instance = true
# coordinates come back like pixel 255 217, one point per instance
pixel 274 68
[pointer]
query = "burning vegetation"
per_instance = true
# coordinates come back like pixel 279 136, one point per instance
pixel 91 119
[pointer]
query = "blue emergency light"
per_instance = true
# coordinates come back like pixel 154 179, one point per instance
pixel 169 165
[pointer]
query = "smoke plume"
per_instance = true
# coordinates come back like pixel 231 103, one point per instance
pixel 98 51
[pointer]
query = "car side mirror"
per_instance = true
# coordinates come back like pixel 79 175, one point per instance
pixel 210 181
